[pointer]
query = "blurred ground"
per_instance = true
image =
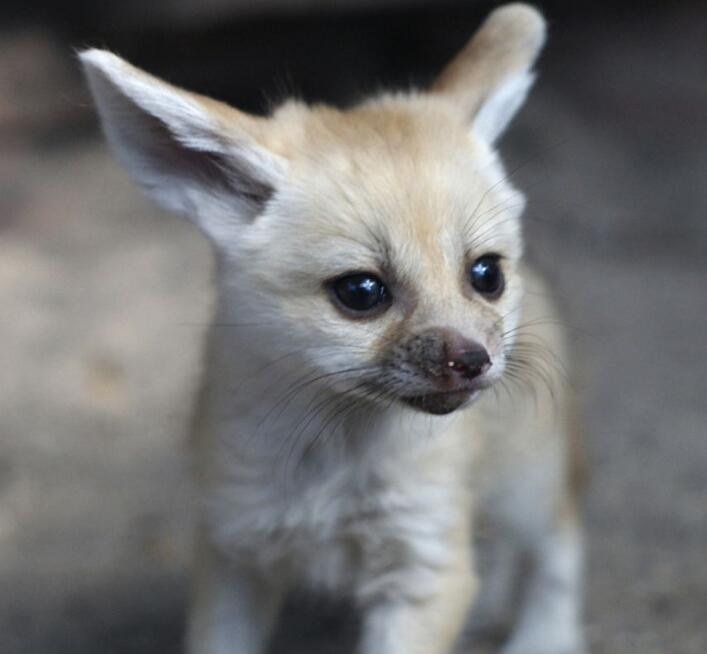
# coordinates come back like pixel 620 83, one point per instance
pixel 104 299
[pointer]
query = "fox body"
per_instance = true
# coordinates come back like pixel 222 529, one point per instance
pixel 363 404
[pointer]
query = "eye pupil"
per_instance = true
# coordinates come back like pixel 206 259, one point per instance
pixel 360 292
pixel 486 276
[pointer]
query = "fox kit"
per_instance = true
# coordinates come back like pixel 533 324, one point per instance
pixel 360 413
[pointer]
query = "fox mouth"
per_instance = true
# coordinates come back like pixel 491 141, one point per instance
pixel 444 402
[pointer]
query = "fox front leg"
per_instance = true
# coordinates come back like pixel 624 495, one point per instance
pixel 428 623
pixel 233 608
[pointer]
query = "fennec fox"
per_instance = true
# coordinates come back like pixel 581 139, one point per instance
pixel 370 290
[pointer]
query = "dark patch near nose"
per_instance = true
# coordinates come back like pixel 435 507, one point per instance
pixel 427 352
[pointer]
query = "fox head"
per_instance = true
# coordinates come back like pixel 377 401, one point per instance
pixel 377 245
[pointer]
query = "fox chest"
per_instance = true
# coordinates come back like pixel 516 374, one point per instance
pixel 340 535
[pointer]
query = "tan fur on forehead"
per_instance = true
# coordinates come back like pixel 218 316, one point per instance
pixel 406 158
pixel 390 121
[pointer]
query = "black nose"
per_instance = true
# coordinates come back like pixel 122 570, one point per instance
pixel 469 362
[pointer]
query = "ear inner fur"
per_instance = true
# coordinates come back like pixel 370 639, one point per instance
pixel 180 145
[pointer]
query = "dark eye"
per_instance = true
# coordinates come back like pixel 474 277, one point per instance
pixel 486 276
pixel 360 292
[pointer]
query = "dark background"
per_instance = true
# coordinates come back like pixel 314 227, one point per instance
pixel 104 298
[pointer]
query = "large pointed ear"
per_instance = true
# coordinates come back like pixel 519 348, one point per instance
pixel 192 154
pixel 490 78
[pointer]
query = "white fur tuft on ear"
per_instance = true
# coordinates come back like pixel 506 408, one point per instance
pixel 501 106
pixel 192 154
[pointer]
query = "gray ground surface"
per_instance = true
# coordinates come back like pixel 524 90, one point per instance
pixel 104 299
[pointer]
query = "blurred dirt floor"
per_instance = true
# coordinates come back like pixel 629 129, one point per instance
pixel 104 299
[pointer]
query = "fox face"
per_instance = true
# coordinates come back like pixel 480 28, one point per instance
pixel 391 253
pixel 375 247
